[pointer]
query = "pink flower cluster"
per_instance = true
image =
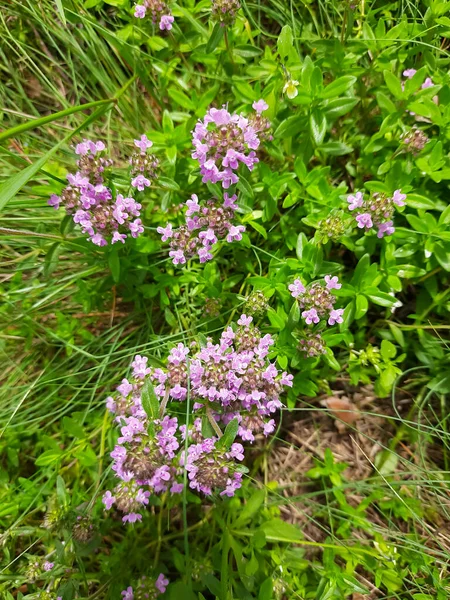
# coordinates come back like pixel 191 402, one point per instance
pixel 231 379
pixel 91 203
pixel 143 164
pixel 204 227
pixel 317 300
pixel 146 588
pixel 223 140
pixel 158 10
pixel 376 211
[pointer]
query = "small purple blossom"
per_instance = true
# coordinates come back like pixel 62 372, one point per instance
pixel 364 220
pixel 260 106
pixel 355 201
pixel 332 283
pixel 139 13
pixel 48 566
pixel 297 288
pixel 310 316
pixel 386 228
pixel 161 583
pixel 166 22
pixel 336 316
pixel 398 198
pixel 128 593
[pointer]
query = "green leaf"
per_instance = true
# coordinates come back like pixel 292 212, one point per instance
pixel 277 530
pixel 251 507
pixel 338 86
pixel 247 51
pixel 290 127
pixel 388 350
pixel 49 457
pixel 215 38
pixel 380 298
pixel 51 259
pixel 181 98
pixel 338 107
pixel 318 126
pixel 394 84
pixel 285 41
pixel 150 401
pixel 362 305
pixel 168 183
pixel 266 590
pixel 114 263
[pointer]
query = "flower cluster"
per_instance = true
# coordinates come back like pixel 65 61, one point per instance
pixel 100 216
pixel 210 467
pixel 331 228
pixel 415 140
pixel 312 344
pixel 232 380
pixel 146 589
pixel 223 140
pixel 143 165
pixel 158 10
pixel 224 11
pixel 204 227
pixel 317 300
pixel 257 303
pixel 376 211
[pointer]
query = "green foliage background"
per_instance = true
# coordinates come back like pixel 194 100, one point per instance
pixel 73 315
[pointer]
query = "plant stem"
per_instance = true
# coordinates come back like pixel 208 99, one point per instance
pixel 213 422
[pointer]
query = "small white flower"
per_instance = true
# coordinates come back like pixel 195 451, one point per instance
pixel 290 88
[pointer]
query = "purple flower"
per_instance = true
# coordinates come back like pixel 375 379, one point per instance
pixel 193 206
pixel 204 254
pixel 128 593
pixel 161 583
pixel 260 106
pixel 140 182
pixel 364 220
pixel 48 566
pixel 166 232
pixel 136 227
pixel 230 201
pixel 398 198
pixel 332 283
pixel 177 257
pixel 54 201
pixel 132 518
pixel 143 143
pixel 336 316
pixel 166 22
pixel 355 201
pixel 118 237
pixel 409 73
pixel 244 320
pixel 297 288
pixel 427 83
pixel 310 316
pixel 139 13
pixel 108 500
pixel 235 233
pixel 385 229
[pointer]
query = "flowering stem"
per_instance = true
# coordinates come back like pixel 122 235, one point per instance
pixel 159 530
pixel 213 422
pixel 162 409
pixel 227 44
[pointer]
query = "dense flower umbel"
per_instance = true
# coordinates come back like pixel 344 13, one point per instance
pixel 331 228
pixel 146 588
pixel 204 227
pixel 223 140
pixel 224 11
pixel 158 11
pixel 102 217
pixel 376 211
pixel 144 166
pixel 317 301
